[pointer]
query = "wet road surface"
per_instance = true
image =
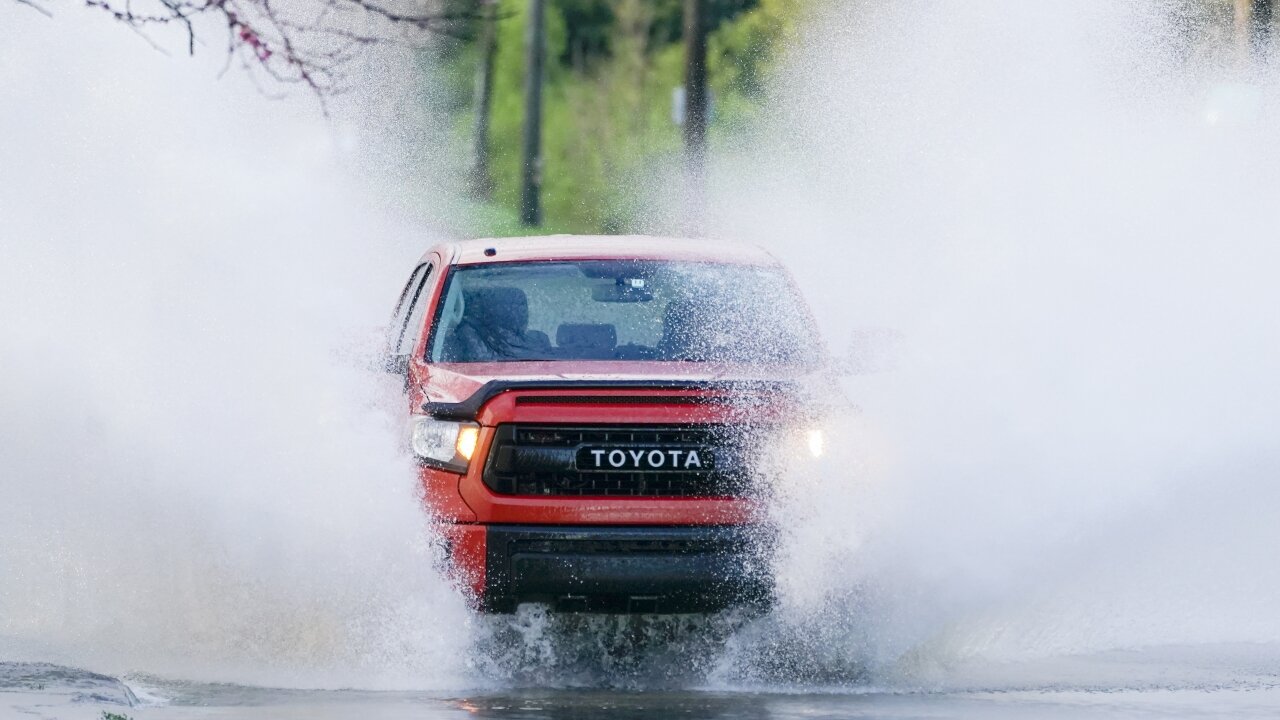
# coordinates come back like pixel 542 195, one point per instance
pixel 46 691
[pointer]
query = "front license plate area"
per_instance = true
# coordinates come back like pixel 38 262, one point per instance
pixel 645 459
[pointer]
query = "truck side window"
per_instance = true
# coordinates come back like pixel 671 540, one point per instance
pixel 409 328
pixel 396 327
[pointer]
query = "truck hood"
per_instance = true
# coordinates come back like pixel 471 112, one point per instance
pixel 458 382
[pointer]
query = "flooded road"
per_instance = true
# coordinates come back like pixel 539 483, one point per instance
pixel 763 706
pixel 1163 690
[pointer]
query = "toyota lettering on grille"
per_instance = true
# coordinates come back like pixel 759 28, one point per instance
pixel 645 459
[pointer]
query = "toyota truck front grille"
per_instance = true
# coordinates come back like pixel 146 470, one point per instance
pixel 619 460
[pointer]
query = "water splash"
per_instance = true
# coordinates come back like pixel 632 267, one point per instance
pixel 1050 200
pixel 199 477
pixel 1044 198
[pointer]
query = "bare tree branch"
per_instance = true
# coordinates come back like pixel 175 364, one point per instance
pixel 38 8
pixel 306 42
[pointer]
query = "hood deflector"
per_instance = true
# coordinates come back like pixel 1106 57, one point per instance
pixel 468 409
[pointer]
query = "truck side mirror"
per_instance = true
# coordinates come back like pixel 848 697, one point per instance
pixel 396 364
pixel 871 350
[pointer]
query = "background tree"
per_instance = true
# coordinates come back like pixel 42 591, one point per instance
pixel 696 111
pixel 487 48
pixel 1253 23
pixel 608 136
pixel 531 133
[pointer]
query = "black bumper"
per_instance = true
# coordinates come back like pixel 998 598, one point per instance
pixel 626 569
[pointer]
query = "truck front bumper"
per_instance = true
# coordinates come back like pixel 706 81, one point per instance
pixel 650 569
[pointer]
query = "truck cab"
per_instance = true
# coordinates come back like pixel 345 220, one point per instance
pixel 597 422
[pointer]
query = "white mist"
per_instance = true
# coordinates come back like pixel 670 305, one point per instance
pixel 1078 454
pixel 198 478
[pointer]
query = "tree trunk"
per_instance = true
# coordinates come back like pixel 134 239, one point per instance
pixel 531 170
pixel 1253 20
pixel 1260 28
pixel 487 43
pixel 695 107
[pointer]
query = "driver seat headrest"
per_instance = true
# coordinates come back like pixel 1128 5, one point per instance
pixel 499 307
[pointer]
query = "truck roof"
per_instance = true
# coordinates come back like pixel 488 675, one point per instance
pixel 602 247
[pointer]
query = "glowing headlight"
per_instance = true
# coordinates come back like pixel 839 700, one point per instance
pixel 443 443
pixel 817 441
pixel 468 436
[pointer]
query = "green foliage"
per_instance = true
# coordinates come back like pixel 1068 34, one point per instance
pixel 589 31
pixel 741 52
pixel 114 716
pixel 607 117
pixel 669 15
pixel 591 25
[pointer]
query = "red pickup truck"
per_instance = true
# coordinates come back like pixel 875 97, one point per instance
pixel 597 420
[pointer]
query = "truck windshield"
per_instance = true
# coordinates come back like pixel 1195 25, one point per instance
pixel 622 310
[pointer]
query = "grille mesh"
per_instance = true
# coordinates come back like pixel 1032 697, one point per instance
pixel 540 460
